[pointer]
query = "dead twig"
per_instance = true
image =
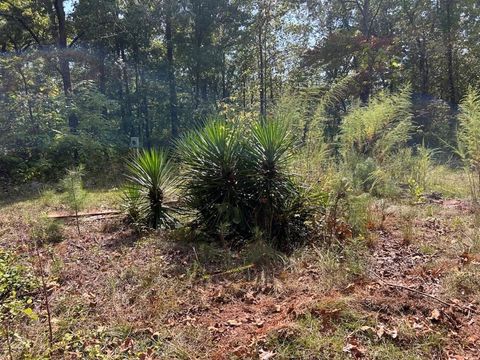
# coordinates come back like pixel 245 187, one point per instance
pixel 45 295
pixel 231 271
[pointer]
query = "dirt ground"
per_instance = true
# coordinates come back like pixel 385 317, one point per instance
pixel 412 292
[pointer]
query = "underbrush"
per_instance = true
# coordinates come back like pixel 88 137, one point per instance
pixel 261 220
pixel 334 329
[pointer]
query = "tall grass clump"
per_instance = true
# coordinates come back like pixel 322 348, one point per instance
pixel 151 180
pixel 371 137
pixel 469 141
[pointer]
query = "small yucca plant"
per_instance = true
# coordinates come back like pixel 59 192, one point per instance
pixel 268 153
pixel 151 180
pixel 213 159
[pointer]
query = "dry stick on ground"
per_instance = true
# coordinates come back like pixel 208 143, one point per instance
pixel 7 334
pixel 463 308
pixel 80 214
pixel 45 294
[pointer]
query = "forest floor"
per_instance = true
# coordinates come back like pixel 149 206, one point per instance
pixel 409 290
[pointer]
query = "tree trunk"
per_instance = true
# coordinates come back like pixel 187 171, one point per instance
pixel 128 121
pixel 172 87
pixel 64 63
pixel 261 75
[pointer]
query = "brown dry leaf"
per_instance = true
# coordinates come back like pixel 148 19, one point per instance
pixel 127 345
pixel 234 323
pixel 417 326
pixel 259 323
pixel 356 350
pixel 250 297
pixel 265 354
pixel 146 356
pixel 473 339
pixel 392 333
pixel 435 316
pixel 380 331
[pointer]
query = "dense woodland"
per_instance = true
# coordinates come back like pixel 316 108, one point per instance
pixel 79 79
pixel 240 179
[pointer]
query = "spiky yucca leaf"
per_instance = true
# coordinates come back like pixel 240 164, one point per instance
pixel 272 189
pixel 213 157
pixel 269 152
pixel 152 175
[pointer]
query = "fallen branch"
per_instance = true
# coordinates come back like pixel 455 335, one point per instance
pixel 231 271
pixel 100 213
pixel 463 308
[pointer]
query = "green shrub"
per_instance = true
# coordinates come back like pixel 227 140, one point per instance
pixel 243 186
pixel 214 183
pixel 134 206
pixel 469 140
pixel 371 141
pixel 16 287
pixel 151 180
pixel 275 199
pixel 464 282
pixel 46 230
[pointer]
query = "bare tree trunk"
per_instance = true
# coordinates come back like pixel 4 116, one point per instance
pixel 128 123
pixel 261 75
pixel 449 54
pixel 64 64
pixel 172 87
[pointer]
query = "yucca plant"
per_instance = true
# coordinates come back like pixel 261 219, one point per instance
pixel 213 157
pixel 271 187
pixel 151 180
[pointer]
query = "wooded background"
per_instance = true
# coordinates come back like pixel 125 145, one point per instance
pixel 79 79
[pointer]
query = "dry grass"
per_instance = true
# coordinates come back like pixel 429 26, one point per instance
pixel 116 294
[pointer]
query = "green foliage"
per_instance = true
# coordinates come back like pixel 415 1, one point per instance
pixel 423 166
pixel 469 140
pixel 99 157
pixel 464 282
pixel 151 180
pixel 73 193
pixel 241 186
pixel 16 287
pixel 213 180
pixel 134 205
pixel 274 196
pixel 378 129
pixel 371 140
pixel 46 230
